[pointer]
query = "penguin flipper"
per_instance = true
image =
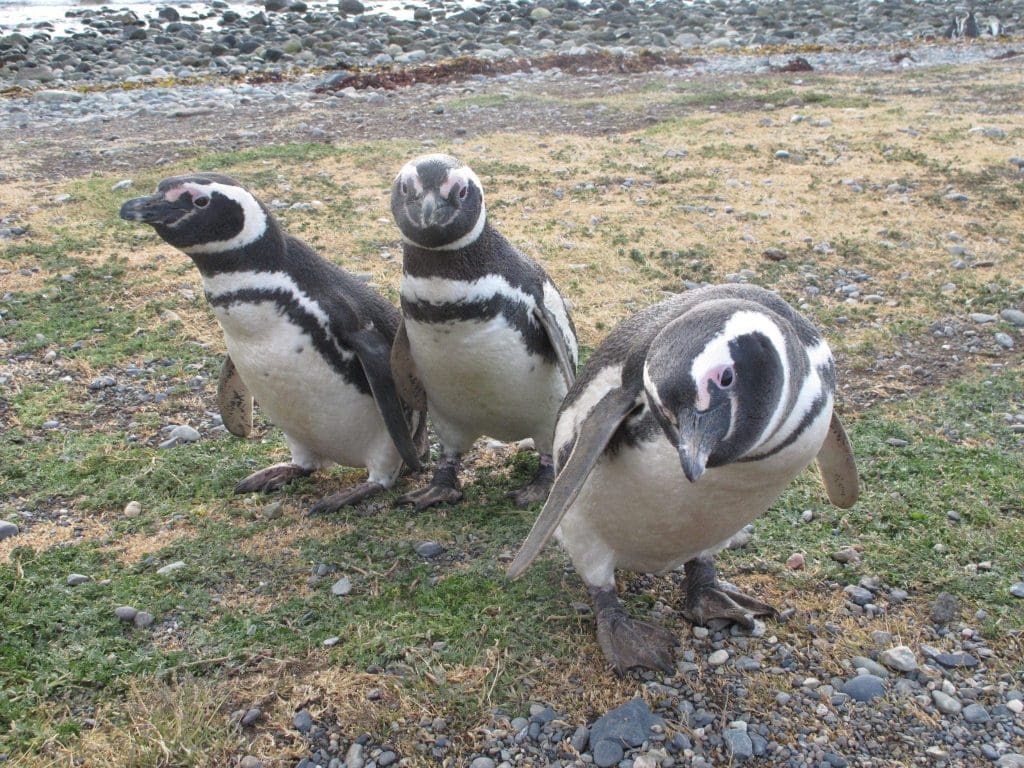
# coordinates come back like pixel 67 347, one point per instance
pixel 558 342
pixel 403 369
pixel 837 465
pixel 374 355
pixel 234 400
pixel 597 429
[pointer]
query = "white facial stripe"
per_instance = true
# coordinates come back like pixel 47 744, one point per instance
pixel 230 282
pixel 410 175
pixel 463 176
pixel 467 239
pixel 556 306
pixel 254 222
pixel 820 356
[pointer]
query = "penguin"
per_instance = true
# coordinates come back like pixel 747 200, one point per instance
pixel 306 339
pixel 952 30
pixel 686 424
pixel 486 342
pixel 968 26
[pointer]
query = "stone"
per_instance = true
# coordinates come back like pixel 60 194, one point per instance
pixel 718 658
pixel 873 667
pixel 580 737
pixel 1004 340
pixel 177 565
pixel 739 744
pixel 271 511
pixel 629 724
pixel 901 658
pixel 945 608
pixel 132 509
pixel 864 687
pixel 354 756
pixel 945 703
pixel 143 619
pixel 7 530
pixel 846 555
pixel 858 595
pixel 428 549
pixel 102 382
pixel 607 753
pixel 183 433
pixel 341 587
pixel 303 721
pixel 355 7
pixel 126 613
pixel 251 716
pixel 1010 760
pixel 976 713
pixel 1013 316
pixel 123 184
pixel 1017 589
pixel 250 762
pixel 77 579
pixel 479 762
pixel 540 14
pixel 796 561
pixel 982 318
pixel 956 660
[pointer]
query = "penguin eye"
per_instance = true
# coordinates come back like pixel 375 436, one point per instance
pixel 463 191
pixel 201 202
pixel 405 188
pixel 726 378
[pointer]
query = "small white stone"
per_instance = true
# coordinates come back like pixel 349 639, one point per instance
pixel 177 565
pixel 718 658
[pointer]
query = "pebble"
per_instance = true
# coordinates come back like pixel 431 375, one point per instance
pixel 901 658
pixel 858 595
pixel 739 744
pixel 303 721
pixel 945 608
pixel 251 716
pixel 1013 316
pixel 177 565
pixel 1004 340
pixel 132 509
pixel 102 382
pixel 479 762
pixel 341 587
pixel 607 753
pixel 123 184
pixel 1016 589
pixel 872 667
pixel 976 713
pixel 428 549
pixel 946 703
pixel 982 318
pixel 1010 760
pixel 718 658
pixel 8 529
pixel 846 555
pixel 272 511
pixel 250 762
pixel 77 579
pixel 864 687
pixel 126 613
pixel 629 724
pixel 782 154
pixel 796 561
pixel 143 619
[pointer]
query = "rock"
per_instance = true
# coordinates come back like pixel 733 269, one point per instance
pixel 607 753
pixel 982 318
pixel 341 587
pixel 540 14
pixel 330 642
pixel 629 724
pixel 1017 589
pixel 8 529
pixel 739 744
pixel 177 565
pixel 271 511
pixel 873 667
pixel 58 97
pixel 796 561
pixel 846 555
pixel 123 184
pixel 479 762
pixel 250 762
pixel 251 716
pixel 428 549
pixel 976 713
pixel 183 433
pixel 858 595
pixel 945 608
pixel 718 658
pixel 355 7
pixel 1011 760
pixel 1004 340
pixel 956 197
pixel 956 660
pixel 143 619
pixel 102 382
pixel 945 703
pixel 354 756
pixel 132 509
pixel 1013 316
pixel 900 658
pixel 774 254
pixel 580 737
pixel 303 721
pixel 126 613
pixel 864 687
pixel 782 154
pixel 77 579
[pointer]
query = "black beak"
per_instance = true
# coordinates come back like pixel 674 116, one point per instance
pixel 699 434
pixel 154 209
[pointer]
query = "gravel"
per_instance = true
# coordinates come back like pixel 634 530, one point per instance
pixel 7 530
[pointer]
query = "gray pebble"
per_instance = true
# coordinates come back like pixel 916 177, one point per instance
pixel 873 667
pixel 739 743
pixel 846 555
pixel 251 716
pixel 428 549
pixel 1004 340
pixel 303 721
pixel 183 433
pixel 341 587
pixel 387 758
pixel 975 713
pixel 76 579
pixel 858 595
pixel 607 753
pixel 123 184
pixel 945 703
pixel 1011 760
pixel 864 687
pixel 271 511
pixel 250 762
pixel 143 619
pixel 126 613
pixel 1013 316
pixel 177 565
pixel 8 529
pixel 900 658
pixel 580 737
pixel 782 154
pixel 102 382
pixel 981 318
pixel 945 608
pixel 480 762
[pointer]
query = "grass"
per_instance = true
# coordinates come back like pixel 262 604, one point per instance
pixel 244 622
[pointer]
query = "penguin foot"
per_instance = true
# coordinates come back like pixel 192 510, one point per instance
pixel 271 478
pixel 719 601
pixel 346 498
pixel 538 488
pixel 431 495
pixel 708 598
pixel 628 643
pixel 443 487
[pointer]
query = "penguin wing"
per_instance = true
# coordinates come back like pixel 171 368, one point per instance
pixel 403 368
pixel 234 400
pixel 556 336
pixel 837 465
pixel 596 430
pixel 374 353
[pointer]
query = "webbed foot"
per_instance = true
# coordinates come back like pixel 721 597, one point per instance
pixel 443 487
pixel 626 642
pixel 707 598
pixel 346 498
pixel 539 487
pixel 272 478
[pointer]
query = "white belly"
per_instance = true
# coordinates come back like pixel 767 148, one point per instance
pixel 326 419
pixel 637 510
pixel 480 379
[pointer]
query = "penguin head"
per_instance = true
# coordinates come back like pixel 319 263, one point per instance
pixel 438 203
pixel 201 214
pixel 714 379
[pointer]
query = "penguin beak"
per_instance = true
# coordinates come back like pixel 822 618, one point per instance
pixel 699 433
pixel 153 209
pixel 433 210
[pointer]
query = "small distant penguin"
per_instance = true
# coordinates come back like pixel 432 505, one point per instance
pixel 995 26
pixel 486 342
pixel 309 341
pixel 686 424
pixel 952 30
pixel 969 26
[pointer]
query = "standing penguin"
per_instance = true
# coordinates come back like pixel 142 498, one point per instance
pixel 486 340
pixel 727 384
pixel 310 342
